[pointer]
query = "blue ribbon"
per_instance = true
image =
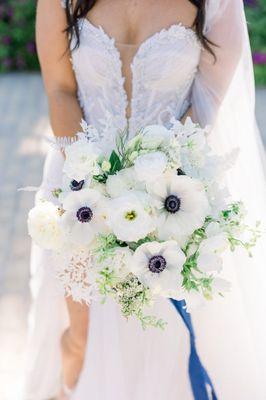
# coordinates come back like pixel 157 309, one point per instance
pixel 199 378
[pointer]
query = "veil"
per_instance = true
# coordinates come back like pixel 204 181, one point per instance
pixel 224 95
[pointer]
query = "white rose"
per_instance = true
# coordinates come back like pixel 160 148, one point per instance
pixel 81 160
pixel 43 226
pixel 154 136
pixel 151 166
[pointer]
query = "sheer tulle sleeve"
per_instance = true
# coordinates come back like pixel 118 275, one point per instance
pixel 224 28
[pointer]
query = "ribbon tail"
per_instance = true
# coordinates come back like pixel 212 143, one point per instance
pixel 200 381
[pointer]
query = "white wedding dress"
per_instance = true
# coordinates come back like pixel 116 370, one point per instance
pixel 170 72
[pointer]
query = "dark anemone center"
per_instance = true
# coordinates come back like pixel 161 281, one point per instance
pixel 157 264
pixel 84 214
pixel 76 185
pixel 172 203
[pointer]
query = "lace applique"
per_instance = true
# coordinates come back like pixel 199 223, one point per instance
pixel 75 274
pixel 155 89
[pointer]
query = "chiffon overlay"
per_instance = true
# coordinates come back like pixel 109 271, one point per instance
pixel 123 362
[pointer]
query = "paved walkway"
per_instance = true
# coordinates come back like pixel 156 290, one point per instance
pixel 23 122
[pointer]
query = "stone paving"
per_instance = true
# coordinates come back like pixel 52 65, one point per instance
pixel 23 124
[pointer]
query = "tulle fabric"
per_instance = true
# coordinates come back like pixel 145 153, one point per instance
pixel 224 93
pixel 123 362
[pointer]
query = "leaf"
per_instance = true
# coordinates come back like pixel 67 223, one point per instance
pixel 115 162
pixel 100 178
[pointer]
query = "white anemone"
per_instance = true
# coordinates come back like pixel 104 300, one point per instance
pixel 129 218
pixel 84 215
pixel 71 185
pixel 43 226
pixel 159 266
pixel 122 181
pixel 182 206
pixel 151 166
pixel 81 160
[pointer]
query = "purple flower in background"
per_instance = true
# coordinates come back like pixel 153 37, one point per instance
pixel 20 62
pixel 6 40
pixel 7 63
pixel 251 3
pixel 31 47
pixel 259 58
pixel 10 12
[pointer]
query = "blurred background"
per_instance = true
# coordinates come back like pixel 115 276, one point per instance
pixel 23 127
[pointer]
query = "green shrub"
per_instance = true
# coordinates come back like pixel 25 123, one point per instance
pixel 256 17
pixel 17 27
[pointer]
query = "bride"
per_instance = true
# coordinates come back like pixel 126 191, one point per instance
pixel 139 62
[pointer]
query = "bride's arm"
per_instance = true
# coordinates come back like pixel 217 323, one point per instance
pixel 214 76
pixel 59 80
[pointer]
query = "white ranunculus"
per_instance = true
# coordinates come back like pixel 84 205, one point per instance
pixel 182 206
pixel 84 215
pixel 151 166
pixel 122 181
pixel 159 266
pixel 129 218
pixel 211 248
pixel 155 136
pixel 44 227
pixel 81 160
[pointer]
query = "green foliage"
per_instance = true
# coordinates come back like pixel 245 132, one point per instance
pixel 17 43
pixel 256 18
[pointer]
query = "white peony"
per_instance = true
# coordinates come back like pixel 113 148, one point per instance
pixel 155 136
pixel 182 206
pixel 122 181
pixel 151 166
pixel 129 218
pixel 159 266
pixel 44 227
pixel 84 215
pixel 81 160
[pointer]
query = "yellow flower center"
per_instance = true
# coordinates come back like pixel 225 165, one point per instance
pixel 130 215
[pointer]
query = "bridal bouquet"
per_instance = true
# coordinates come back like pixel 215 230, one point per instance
pixel 146 220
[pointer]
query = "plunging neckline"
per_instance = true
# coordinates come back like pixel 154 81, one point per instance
pixel 175 26
pixel 128 103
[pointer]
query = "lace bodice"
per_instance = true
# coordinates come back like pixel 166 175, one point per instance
pixel 162 70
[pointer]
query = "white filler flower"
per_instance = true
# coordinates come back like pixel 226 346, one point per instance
pixel 83 218
pixel 129 218
pixel 151 166
pixel 81 160
pixel 182 206
pixel 43 226
pixel 159 266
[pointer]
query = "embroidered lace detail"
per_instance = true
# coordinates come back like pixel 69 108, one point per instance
pixel 158 91
pixel 141 90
